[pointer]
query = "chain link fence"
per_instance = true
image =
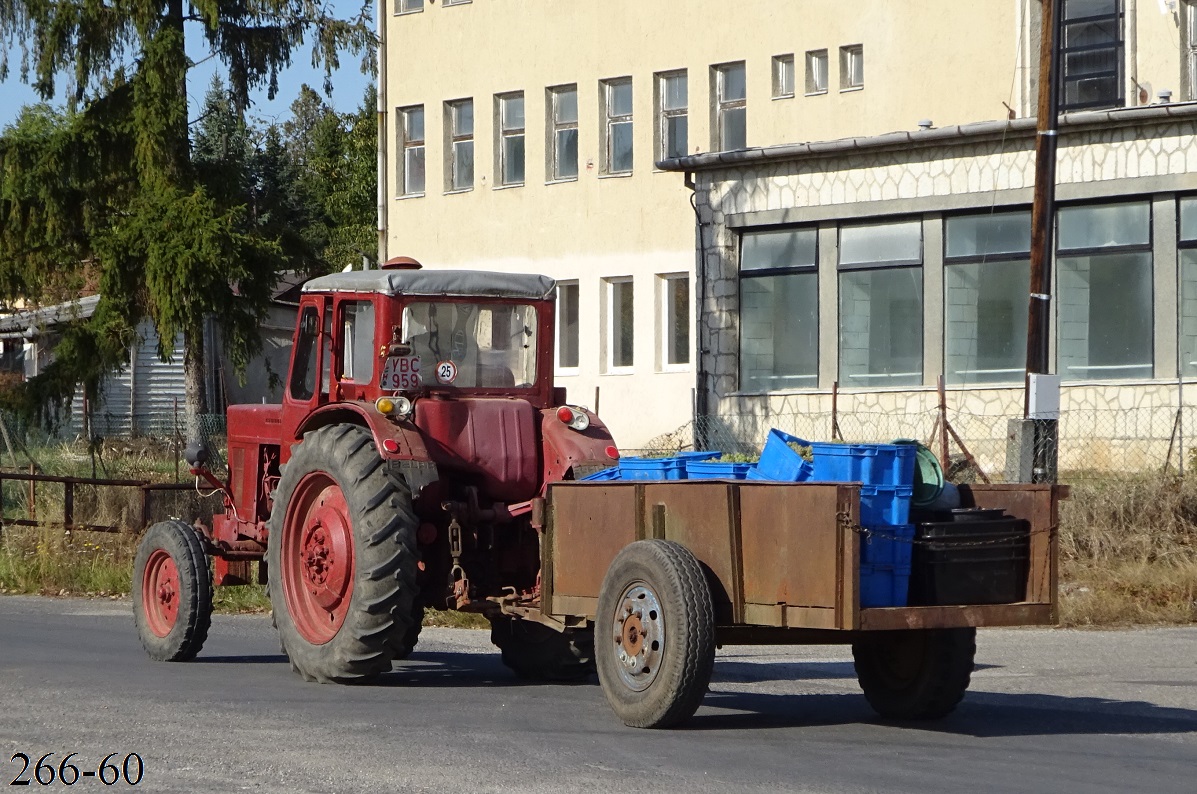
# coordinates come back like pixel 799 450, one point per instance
pixel 1093 444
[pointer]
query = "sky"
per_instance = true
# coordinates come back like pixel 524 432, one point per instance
pixel 348 82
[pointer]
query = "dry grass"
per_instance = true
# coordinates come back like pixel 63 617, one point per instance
pixel 1128 552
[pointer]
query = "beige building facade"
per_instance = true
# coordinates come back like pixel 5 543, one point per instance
pixel 524 136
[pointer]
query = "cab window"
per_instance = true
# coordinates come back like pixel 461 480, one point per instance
pixel 357 341
pixel 303 365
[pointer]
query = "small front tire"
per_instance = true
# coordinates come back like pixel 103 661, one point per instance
pixel 172 592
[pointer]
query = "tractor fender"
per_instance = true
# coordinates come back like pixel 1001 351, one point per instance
pixel 406 441
pixel 565 447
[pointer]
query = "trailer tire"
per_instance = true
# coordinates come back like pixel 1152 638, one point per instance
pixel 340 559
pixel 172 592
pixel 915 674
pixel 655 634
pixel 538 653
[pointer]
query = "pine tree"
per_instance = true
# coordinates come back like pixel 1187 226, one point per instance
pixel 118 183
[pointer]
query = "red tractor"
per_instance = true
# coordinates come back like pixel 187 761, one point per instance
pixel 418 430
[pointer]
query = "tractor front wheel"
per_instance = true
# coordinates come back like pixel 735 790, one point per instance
pixel 539 653
pixel 172 592
pixel 341 563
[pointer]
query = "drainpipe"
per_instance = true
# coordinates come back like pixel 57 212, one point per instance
pixel 381 25
pixel 700 282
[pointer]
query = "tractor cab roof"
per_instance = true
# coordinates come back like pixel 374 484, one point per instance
pixel 437 283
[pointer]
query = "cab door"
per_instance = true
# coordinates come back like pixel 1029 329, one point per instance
pixel 311 358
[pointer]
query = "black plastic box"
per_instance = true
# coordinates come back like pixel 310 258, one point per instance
pixel 970 561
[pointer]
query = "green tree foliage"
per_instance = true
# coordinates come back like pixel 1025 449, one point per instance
pixel 177 232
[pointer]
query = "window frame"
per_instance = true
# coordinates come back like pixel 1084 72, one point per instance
pixel 721 106
pixel 611 120
pixel 409 7
pixel 1190 55
pixel 609 285
pixel 503 134
pixel 664 114
pixel 456 2
pixel 408 145
pixel 665 305
pixel 811 269
pixel 1118 49
pixel 784 85
pixel 1183 246
pixel 453 137
pixel 822 58
pixel 553 127
pixel 982 259
pixel 1147 247
pixel 847 53
pixel 558 367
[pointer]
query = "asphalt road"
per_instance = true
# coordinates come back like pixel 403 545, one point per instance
pixel 1048 711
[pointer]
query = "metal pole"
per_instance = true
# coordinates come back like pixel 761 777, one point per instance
pixel 1043 213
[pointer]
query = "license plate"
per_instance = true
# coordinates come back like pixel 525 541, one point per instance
pixel 401 373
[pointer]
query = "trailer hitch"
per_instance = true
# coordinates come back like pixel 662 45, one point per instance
pixel 457 574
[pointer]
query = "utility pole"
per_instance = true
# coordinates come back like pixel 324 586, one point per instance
pixel 1040 427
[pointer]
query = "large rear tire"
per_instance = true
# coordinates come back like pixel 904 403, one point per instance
pixel 341 564
pixel 172 592
pixel 915 674
pixel 655 634
pixel 538 653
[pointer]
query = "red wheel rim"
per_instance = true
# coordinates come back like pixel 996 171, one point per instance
pixel 317 558
pixel 160 592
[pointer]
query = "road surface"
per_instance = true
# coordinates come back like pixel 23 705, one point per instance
pixel 1048 711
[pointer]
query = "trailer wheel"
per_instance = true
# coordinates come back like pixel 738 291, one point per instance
pixel 340 559
pixel 172 592
pixel 538 653
pixel 655 634
pixel 915 674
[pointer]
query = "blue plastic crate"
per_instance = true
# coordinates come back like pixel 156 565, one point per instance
pixel 700 455
pixel 652 468
pixel 611 473
pixel 887 545
pixel 713 470
pixel 886 505
pixel 884 585
pixel 779 461
pixel 889 464
pixel 839 462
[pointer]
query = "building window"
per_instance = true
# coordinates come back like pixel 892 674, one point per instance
pixel 1188 286
pixel 851 67
pixel 1103 293
pixel 987 281
pixel 779 310
pixel 620 324
pixel 455 2
pixel 509 112
pixel 783 76
pixel 617 128
pixel 1190 62
pixel 1091 54
pixel 675 320
pixel 816 72
pixel 881 304
pixel 673 123
pixel 567 327
pixel 730 126
pixel 459 144
pixel 408 6
pixel 563 133
pixel 411 144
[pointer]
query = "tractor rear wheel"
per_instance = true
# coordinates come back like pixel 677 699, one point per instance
pixel 340 559
pixel 539 653
pixel 915 674
pixel 655 634
pixel 172 592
